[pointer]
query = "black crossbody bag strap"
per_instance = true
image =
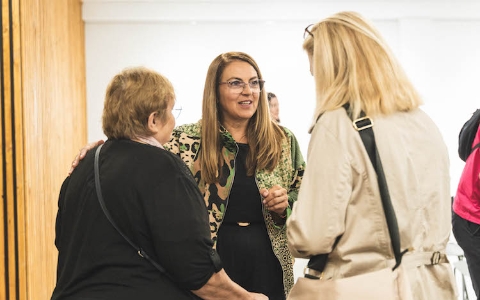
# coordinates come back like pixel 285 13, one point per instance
pixel 139 250
pixel 364 127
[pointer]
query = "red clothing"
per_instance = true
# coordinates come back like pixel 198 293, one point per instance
pixel 467 199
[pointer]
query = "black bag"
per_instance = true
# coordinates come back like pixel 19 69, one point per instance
pixel 467 135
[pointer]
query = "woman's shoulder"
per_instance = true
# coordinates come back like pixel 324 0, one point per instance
pixel 184 137
pixel 157 159
pixel 333 121
pixel 288 132
pixel 191 129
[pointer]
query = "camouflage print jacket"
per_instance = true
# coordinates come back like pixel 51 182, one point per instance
pixel 288 174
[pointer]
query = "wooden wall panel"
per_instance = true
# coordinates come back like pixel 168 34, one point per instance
pixel 13 246
pixel 43 124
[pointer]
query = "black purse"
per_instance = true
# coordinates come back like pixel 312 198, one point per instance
pixel 364 127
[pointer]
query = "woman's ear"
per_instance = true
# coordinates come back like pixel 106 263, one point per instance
pixel 153 122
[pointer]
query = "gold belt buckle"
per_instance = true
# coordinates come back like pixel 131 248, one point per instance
pixel 243 224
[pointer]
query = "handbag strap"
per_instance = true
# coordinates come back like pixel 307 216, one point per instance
pixel 139 250
pixel 364 127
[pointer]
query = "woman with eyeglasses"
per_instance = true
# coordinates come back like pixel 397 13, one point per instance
pixel 340 210
pixel 248 169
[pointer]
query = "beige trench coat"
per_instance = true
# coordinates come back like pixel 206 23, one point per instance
pixel 339 196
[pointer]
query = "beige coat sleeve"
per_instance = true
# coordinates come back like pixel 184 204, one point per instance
pixel 318 216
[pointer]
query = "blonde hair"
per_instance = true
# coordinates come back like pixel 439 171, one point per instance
pixel 131 97
pixel 351 63
pixel 264 136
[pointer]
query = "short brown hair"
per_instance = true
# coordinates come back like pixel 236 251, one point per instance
pixel 131 97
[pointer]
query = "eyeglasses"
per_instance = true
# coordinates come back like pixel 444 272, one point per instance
pixel 307 31
pixel 176 111
pixel 238 85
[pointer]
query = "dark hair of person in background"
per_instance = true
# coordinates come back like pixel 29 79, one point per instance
pixel 274 106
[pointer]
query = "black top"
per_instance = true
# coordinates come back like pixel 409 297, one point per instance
pixel 155 201
pixel 245 203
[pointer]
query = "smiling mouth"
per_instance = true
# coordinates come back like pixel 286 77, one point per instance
pixel 246 102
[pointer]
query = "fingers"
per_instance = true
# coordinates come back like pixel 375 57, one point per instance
pixel 264 193
pixel 257 296
pixel 85 149
pixel 82 154
pixel 278 205
pixel 276 200
pixel 74 164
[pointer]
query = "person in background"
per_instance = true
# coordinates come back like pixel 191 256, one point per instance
pixel 274 107
pixel 248 169
pixel 466 214
pixel 151 197
pixel 339 209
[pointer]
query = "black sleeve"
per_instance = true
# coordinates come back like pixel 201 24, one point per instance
pixel 178 221
pixel 58 221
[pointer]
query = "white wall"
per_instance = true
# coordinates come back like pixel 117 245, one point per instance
pixel 436 41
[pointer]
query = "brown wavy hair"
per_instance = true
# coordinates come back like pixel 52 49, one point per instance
pixel 264 136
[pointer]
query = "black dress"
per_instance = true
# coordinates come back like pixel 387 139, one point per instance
pixel 246 251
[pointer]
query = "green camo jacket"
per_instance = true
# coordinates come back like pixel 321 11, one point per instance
pixel 288 174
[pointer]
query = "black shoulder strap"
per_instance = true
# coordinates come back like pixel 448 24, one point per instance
pixel 364 127
pixel 109 217
pixel 475 147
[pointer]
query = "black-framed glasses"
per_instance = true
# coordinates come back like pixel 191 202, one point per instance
pixel 256 85
pixel 307 30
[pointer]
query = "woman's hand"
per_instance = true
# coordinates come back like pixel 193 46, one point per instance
pixel 258 296
pixel 83 152
pixel 275 200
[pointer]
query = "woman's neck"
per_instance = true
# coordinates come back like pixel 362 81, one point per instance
pixel 238 131
pixel 147 140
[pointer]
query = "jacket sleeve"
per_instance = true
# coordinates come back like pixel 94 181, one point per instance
pixel 173 145
pixel 473 163
pixel 318 216
pixel 178 221
pixel 298 170
pixel 58 222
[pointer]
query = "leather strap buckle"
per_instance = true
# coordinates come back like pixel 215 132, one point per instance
pixel 436 257
pixel 362 123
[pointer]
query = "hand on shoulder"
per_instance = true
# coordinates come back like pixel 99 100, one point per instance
pixel 82 153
